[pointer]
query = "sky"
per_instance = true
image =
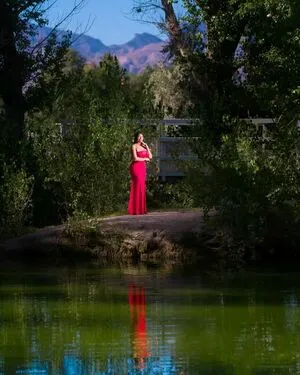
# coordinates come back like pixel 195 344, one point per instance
pixel 110 21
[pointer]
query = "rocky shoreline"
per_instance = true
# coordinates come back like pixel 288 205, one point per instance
pixel 158 236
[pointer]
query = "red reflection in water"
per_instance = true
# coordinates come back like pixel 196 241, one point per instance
pixel 137 305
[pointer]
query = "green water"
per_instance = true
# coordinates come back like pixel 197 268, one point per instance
pixel 140 321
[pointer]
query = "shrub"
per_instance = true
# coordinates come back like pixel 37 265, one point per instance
pixel 166 195
pixel 15 199
pixel 253 183
pixel 83 166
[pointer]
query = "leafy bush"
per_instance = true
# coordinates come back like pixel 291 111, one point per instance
pixel 15 199
pixel 253 183
pixel 167 195
pixel 85 165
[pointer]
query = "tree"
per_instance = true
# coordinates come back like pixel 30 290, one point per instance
pixel 141 96
pixel 170 90
pixel 242 55
pixel 106 86
pixel 23 66
pixel 241 58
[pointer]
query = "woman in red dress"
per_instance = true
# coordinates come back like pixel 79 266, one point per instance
pixel 140 154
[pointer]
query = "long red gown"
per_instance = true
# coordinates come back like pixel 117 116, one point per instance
pixel 137 198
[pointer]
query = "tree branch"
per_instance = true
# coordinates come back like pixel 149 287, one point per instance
pixel 174 30
pixel 75 8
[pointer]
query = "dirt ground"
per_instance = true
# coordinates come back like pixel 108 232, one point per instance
pixel 173 224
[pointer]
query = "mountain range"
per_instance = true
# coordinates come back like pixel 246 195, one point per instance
pixel 135 55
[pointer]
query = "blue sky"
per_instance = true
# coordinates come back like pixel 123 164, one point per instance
pixel 107 20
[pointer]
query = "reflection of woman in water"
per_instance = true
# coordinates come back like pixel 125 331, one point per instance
pixel 137 305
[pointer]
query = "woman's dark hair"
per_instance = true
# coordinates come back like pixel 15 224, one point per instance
pixel 136 135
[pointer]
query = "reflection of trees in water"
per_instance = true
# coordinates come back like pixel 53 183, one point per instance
pixel 166 328
pixel 72 365
pixel 153 366
pixel 291 308
pixel 140 361
pixel 1 366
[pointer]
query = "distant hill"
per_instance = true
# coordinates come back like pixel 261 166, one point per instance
pixel 135 55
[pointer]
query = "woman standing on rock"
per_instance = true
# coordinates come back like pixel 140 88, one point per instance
pixel 140 154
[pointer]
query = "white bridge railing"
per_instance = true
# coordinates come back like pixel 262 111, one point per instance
pixel 168 146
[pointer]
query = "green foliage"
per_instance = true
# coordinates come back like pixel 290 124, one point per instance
pixel 80 143
pixel 169 88
pixel 244 63
pixel 240 57
pixel 253 183
pixel 15 199
pixel 84 164
pixel 272 52
pixel 141 97
pixel 165 195
pixel 106 86
pixel 27 72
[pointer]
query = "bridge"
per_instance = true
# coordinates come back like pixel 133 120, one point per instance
pixel 170 148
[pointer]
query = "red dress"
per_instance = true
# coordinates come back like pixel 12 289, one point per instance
pixel 137 198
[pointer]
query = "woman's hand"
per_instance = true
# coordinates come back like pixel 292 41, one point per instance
pixel 148 149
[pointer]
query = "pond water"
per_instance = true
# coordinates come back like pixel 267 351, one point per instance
pixel 136 320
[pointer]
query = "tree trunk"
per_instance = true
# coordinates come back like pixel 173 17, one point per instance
pixel 11 85
pixel 178 45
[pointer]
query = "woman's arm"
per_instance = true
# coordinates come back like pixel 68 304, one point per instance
pixel 134 155
pixel 148 150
